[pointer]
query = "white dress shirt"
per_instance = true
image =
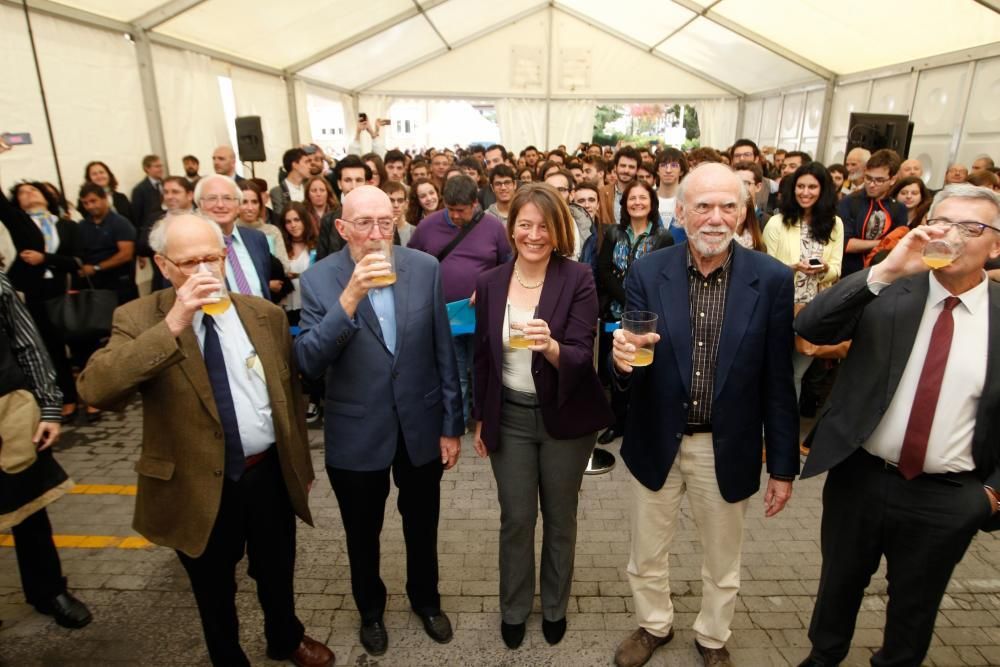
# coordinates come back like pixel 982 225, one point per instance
pixel 949 448
pixel 295 192
pixel 246 379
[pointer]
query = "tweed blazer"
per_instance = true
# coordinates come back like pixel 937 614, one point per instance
pixel 183 451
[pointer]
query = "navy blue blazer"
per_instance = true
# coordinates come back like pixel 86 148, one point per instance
pixel 374 394
pixel 571 397
pixel 256 243
pixel 753 404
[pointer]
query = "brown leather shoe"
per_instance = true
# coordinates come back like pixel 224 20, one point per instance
pixel 636 649
pixel 714 657
pixel 311 653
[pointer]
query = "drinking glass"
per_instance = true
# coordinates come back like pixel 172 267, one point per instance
pixel 385 247
pixel 517 318
pixel 221 295
pixel 637 325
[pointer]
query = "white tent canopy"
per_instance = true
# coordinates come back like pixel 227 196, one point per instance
pixel 785 72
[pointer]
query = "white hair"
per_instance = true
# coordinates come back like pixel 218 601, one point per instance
pixel 967 191
pixel 217 178
pixel 682 188
pixel 158 235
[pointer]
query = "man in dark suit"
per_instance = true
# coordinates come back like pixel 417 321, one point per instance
pixel 147 195
pixel 909 435
pixel 248 257
pixel 721 378
pixel 225 466
pixel 392 402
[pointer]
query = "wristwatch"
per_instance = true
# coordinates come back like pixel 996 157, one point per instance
pixel 97 267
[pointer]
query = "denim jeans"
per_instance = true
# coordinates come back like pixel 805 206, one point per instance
pixel 463 354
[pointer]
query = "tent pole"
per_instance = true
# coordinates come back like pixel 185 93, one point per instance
pixel 45 103
pixel 293 111
pixel 150 96
pixel 824 120
pixel 548 82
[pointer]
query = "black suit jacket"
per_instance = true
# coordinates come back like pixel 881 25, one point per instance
pixel 147 204
pixel 30 279
pixel 883 329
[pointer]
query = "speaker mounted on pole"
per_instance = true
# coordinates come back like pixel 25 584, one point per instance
pixel 250 139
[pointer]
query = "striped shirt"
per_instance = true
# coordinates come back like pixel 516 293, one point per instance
pixel 707 296
pixel 27 348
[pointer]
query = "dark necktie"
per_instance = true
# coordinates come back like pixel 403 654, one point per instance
pixel 216 365
pixel 918 428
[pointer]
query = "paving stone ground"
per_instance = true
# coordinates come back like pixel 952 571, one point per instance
pixel 144 613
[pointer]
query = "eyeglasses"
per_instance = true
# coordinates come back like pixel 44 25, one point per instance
pixel 877 180
pixel 364 225
pixel 670 165
pixel 740 157
pixel 967 228
pixel 190 266
pixel 212 200
pixel 503 184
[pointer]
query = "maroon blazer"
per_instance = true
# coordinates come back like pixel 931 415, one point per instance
pixel 571 398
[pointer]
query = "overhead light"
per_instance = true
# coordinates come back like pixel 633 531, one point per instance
pixel 129 38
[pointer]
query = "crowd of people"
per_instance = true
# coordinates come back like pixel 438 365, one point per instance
pixel 778 287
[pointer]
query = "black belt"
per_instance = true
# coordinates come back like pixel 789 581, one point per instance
pixel 691 429
pixel 889 466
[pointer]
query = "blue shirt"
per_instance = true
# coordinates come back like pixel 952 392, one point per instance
pixel 384 304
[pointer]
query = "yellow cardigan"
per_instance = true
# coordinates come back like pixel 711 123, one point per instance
pixel 784 244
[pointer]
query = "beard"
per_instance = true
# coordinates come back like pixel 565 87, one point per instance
pixel 190 172
pixel 712 248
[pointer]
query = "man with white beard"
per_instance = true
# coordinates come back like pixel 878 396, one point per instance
pixel 721 348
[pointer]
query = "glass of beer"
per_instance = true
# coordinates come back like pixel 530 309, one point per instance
pixel 939 253
pixel 221 295
pixel 637 325
pixel 517 318
pixel 385 248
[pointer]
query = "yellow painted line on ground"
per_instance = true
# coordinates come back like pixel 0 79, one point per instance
pixel 89 542
pixel 104 489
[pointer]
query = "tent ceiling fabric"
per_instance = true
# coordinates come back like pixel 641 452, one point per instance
pixel 746 46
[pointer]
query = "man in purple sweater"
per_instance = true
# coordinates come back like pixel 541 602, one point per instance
pixel 483 245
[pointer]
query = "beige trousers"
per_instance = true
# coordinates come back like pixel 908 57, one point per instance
pixel 720 528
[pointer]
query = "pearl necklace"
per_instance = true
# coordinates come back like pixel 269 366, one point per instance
pixel 517 276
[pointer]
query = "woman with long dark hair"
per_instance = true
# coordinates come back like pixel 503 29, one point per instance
pixel 914 195
pixel 808 236
pixel 48 257
pixel 639 232
pixel 425 198
pixel 321 202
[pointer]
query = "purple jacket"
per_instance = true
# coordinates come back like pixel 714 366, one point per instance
pixel 572 400
pixel 483 248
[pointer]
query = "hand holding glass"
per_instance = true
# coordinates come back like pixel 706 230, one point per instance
pixel 638 325
pixel 517 319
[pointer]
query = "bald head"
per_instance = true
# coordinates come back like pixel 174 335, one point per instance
pixel 911 167
pixel 711 175
pixel 957 173
pixel 224 161
pixel 364 203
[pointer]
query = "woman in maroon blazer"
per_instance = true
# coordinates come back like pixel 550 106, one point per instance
pixel 538 407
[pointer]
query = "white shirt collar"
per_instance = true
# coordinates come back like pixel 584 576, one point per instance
pixel 973 299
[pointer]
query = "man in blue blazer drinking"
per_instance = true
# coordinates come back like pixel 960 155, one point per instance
pixel 392 402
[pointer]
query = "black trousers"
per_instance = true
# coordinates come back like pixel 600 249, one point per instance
pixel 255 517
pixel 922 526
pixel 361 496
pixel 55 344
pixel 37 560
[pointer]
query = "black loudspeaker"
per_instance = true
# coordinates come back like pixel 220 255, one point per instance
pixel 875 131
pixel 250 139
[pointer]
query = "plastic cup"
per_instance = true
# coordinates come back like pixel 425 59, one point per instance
pixel 385 247
pixel 637 325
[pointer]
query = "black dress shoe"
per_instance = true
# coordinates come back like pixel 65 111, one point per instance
pixel 554 630
pixel 67 610
pixel 608 436
pixel 437 626
pixel 512 635
pixel 811 662
pixel 374 637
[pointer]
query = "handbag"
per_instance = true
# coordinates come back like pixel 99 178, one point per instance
pixel 807 349
pixel 19 417
pixel 83 314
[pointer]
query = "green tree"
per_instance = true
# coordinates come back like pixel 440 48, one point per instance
pixel 606 113
pixel 691 123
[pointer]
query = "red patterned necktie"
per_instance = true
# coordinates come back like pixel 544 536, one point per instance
pixel 918 428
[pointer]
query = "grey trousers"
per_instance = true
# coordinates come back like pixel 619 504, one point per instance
pixel 530 466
